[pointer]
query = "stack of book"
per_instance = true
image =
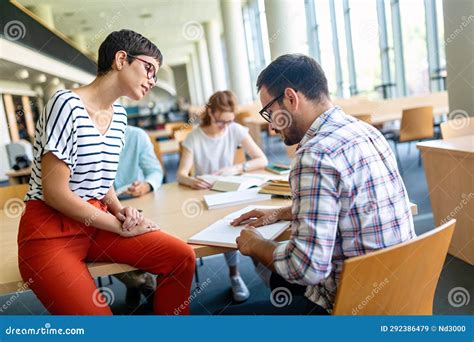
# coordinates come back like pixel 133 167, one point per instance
pixel 276 187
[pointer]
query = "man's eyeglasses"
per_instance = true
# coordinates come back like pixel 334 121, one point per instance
pixel 264 111
pixel 150 68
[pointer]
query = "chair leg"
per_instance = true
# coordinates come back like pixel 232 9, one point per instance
pixel 201 261
pixel 99 281
pixel 196 274
pixel 110 280
pixel 419 157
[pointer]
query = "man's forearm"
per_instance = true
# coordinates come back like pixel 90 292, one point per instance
pixel 263 253
pixel 285 214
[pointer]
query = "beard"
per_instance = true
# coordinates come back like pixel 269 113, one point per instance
pixel 286 127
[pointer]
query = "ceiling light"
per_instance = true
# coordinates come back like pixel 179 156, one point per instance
pixel 41 78
pixel 22 74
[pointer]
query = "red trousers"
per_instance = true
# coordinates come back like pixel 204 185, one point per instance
pixel 53 251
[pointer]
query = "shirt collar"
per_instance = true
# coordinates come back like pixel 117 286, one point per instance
pixel 317 124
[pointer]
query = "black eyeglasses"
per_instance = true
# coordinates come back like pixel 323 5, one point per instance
pixel 264 111
pixel 150 68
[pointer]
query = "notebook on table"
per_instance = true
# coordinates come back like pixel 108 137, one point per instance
pixel 231 198
pixel 222 234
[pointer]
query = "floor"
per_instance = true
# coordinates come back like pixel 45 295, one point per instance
pixel 214 292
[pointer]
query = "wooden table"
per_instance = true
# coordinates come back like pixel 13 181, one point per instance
pixel 449 168
pixel 179 210
pixel 19 177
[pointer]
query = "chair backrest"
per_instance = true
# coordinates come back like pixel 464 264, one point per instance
pixel 417 124
pixel 398 280
pixel 180 135
pixel 175 126
pixel 364 117
pixel 12 191
pixel 457 127
pixel 156 148
pixel 241 116
pixel 239 157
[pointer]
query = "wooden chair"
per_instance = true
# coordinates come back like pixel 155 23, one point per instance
pixel 239 157
pixel 416 125
pixel 173 127
pixel 452 129
pixel 398 280
pixel 159 155
pixel 181 134
pixel 241 116
pixel 12 191
pixel 364 117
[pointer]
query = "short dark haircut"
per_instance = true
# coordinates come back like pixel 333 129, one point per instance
pixel 296 71
pixel 131 42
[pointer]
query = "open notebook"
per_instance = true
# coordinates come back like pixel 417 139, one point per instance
pixel 222 234
pixel 227 199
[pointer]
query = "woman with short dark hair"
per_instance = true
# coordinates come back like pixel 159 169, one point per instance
pixel 72 213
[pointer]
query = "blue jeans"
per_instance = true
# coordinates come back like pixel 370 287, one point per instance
pixel 286 299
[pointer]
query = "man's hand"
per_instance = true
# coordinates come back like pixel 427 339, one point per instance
pixel 259 217
pixel 138 189
pixel 248 240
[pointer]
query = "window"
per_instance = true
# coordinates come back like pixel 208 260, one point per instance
pixel 417 75
pixel 365 40
pixel 256 36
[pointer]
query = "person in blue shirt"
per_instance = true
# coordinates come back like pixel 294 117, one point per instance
pixel 139 172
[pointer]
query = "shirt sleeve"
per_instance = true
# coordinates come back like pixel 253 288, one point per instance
pixel 189 142
pixel 57 130
pixel 306 258
pixel 239 132
pixel 149 164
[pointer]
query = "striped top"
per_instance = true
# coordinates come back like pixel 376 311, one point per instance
pixel 348 200
pixel 66 130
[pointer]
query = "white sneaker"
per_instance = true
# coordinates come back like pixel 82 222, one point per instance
pixel 240 292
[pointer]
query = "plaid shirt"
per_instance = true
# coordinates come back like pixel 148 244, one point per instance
pixel 348 200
